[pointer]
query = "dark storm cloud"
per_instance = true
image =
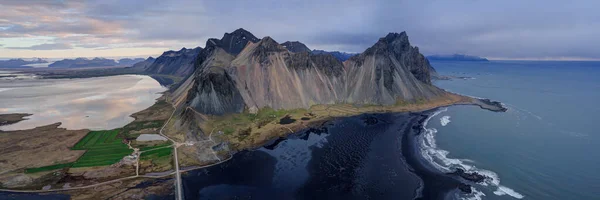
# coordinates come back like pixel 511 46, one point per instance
pixel 502 29
pixel 58 46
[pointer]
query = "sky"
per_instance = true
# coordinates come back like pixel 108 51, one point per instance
pixel 507 29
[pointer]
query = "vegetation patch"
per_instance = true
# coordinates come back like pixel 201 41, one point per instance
pixel 140 125
pixel 103 148
pixel 147 148
pixel 156 154
pixel 48 168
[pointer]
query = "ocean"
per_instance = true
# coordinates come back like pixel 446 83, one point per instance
pixel 543 147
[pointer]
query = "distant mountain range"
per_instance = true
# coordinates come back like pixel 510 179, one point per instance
pixel 95 62
pixel 129 61
pixel 20 63
pixel 342 56
pixel 455 57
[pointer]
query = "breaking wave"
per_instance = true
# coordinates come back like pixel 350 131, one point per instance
pixel 445 120
pixel 439 159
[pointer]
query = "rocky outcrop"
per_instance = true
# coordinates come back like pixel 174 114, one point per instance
pixel 178 63
pixel 295 46
pixel 473 176
pixel 267 74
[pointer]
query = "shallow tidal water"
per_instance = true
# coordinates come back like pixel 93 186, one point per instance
pixel 88 103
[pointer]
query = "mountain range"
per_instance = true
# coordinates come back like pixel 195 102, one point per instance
pixel 456 57
pixel 179 63
pixel 20 63
pixel 240 71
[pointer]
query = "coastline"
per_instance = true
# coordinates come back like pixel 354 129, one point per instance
pixel 428 175
pixel 434 184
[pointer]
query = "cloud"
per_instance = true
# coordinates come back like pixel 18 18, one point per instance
pixel 58 46
pixel 508 29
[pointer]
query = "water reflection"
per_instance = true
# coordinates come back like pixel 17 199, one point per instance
pixel 93 103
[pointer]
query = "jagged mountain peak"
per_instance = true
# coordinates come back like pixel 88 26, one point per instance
pixel 295 46
pixel 269 44
pixel 235 41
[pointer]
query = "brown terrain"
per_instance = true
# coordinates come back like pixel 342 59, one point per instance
pixel 6 119
pixel 41 146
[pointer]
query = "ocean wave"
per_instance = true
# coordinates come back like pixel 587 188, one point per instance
pixel 440 160
pixel 475 195
pixel 445 120
pixel 5 89
pixel 502 190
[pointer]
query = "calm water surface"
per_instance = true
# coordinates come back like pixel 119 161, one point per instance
pixel 92 103
pixel 544 147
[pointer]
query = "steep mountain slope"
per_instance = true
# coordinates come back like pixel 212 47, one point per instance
pixel 295 46
pixel 390 71
pixel 266 74
pixel 178 63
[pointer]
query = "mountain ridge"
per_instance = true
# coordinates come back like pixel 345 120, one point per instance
pixel 264 73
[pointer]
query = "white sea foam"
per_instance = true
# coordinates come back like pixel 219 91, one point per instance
pixel 475 195
pixel 5 89
pixel 445 120
pixel 439 159
pixel 502 190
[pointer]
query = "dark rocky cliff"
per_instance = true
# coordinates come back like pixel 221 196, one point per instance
pixel 295 46
pixel 178 63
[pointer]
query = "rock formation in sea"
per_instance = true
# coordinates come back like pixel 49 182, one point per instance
pixel 230 77
pixel 178 63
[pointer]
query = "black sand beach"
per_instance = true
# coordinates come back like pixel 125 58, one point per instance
pixel 370 156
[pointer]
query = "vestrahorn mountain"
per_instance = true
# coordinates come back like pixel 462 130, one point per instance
pixel 230 77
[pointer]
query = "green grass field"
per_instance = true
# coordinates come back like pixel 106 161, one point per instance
pixel 48 168
pixel 103 148
pixel 134 126
pixel 156 154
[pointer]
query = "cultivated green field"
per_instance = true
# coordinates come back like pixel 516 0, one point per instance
pixel 156 154
pixel 48 168
pixel 103 148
